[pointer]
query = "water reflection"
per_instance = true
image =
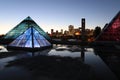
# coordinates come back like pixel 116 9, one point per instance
pixel 38 53
pixel 45 65
pixel 62 61
pixel 69 50
pixel 55 68
pixel 3 49
pixel 82 53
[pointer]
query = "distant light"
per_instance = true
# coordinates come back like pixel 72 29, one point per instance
pixel 77 33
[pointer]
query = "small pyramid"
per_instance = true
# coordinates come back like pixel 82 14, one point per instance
pixel 111 32
pixel 22 27
pixel 30 39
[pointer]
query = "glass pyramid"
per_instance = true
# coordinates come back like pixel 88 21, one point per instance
pixel 31 38
pixel 112 31
pixel 22 27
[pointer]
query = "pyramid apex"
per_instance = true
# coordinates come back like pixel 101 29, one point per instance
pixel 119 12
pixel 28 18
pixel 22 26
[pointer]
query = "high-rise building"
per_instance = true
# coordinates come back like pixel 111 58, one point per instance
pixel 71 30
pixel 61 31
pixel 52 31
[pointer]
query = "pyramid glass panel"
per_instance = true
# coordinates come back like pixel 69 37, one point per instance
pixel 28 43
pixel 112 31
pixel 22 27
pixel 36 43
pixel 31 38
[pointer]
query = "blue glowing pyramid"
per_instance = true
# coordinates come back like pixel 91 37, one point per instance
pixel 30 39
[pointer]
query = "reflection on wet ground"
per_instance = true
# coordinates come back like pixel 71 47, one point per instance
pixel 56 67
pixel 62 62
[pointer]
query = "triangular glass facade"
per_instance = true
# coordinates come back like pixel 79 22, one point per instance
pixel 31 38
pixel 112 31
pixel 22 27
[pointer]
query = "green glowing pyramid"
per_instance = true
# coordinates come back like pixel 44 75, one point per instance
pixel 22 27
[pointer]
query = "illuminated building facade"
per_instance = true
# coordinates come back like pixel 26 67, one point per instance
pixel 71 32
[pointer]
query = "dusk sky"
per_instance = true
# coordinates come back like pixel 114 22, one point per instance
pixel 57 14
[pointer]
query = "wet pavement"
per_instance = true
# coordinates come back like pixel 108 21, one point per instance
pixel 58 61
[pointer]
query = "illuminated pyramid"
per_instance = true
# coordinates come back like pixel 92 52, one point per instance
pixel 112 31
pixel 22 27
pixel 30 40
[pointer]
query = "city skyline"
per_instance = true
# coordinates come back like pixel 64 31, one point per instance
pixel 57 14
